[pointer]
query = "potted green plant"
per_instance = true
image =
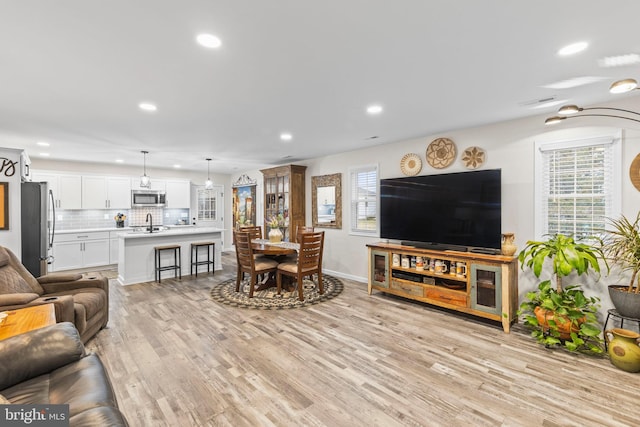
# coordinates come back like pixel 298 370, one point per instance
pixel 621 245
pixel 562 315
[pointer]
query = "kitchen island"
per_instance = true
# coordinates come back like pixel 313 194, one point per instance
pixel 136 255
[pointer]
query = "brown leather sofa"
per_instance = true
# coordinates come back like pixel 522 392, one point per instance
pixel 81 300
pixel 50 366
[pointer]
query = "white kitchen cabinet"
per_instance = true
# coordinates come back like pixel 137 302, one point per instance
pixel 94 192
pixel 113 251
pixel 113 246
pixel 67 189
pixel 95 253
pixel 80 250
pixel 101 192
pixel 119 192
pixel 178 194
pixel 66 256
pixel 156 184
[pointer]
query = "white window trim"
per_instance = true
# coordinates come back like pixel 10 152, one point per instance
pixel 540 147
pixel 373 233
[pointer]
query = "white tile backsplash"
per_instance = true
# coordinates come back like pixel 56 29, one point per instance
pixel 103 218
pixel 138 216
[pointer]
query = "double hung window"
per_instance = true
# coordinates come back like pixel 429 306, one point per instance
pixel 364 200
pixel 577 186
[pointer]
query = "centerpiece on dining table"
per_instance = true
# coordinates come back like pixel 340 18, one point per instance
pixel 275 224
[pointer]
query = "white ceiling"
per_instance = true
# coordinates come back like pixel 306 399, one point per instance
pixel 72 73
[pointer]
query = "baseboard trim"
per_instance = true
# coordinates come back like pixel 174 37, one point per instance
pixel 345 276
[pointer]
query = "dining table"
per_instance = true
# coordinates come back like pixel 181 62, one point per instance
pixel 274 250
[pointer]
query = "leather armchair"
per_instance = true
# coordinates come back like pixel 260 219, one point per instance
pixel 84 301
pixel 50 366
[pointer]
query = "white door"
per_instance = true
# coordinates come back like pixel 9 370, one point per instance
pixel 209 206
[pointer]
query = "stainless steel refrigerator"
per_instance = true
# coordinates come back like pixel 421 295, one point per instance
pixel 38 226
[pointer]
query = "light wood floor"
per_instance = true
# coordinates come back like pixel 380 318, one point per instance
pixel 177 358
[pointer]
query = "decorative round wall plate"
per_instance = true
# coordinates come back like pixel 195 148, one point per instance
pixel 411 164
pixel 473 157
pixel 441 153
pixel 634 172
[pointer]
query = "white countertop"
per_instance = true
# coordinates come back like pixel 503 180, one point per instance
pixel 177 231
pixel 89 230
pixel 127 229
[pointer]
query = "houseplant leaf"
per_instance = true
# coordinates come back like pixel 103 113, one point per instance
pixel 569 315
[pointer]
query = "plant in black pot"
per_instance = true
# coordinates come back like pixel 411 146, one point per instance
pixel 560 315
pixel 621 245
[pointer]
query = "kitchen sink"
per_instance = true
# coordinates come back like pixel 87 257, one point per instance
pixel 156 229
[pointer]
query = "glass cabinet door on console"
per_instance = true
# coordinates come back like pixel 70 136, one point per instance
pixel 380 268
pixel 486 288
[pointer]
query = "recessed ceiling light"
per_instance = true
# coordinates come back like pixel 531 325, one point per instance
pixel 119 161
pixel 44 154
pixel 177 166
pixel 285 136
pixel 374 109
pixel 209 40
pixel 42 143
pixel 573 48
pixel 574 82
pixel 147 106
pixel 620 60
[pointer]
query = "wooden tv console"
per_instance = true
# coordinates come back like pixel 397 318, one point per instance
pixel 484 285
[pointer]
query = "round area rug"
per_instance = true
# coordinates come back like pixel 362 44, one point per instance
pixel 268 299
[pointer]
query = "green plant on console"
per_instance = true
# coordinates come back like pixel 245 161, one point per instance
pixel 562 315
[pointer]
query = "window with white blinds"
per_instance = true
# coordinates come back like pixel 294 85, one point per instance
pixel 364 199
pixel 578 186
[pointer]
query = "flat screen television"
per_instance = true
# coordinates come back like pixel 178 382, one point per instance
pixel 460 211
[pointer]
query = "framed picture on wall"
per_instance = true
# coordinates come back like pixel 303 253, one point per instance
pixel 4 205
pixel 244 202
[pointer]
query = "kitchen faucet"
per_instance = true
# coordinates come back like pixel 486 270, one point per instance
pixel 150 221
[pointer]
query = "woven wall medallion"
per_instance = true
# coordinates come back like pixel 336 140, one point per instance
pixel 473 157
pixel 634 172
pixel 411 164
pixel 441 153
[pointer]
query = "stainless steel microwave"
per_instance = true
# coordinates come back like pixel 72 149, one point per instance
pixel 141 198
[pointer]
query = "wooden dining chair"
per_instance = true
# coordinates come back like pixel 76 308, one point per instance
pixel 303 229
pixel 254 230
pixel 248 263
pixel 309 262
